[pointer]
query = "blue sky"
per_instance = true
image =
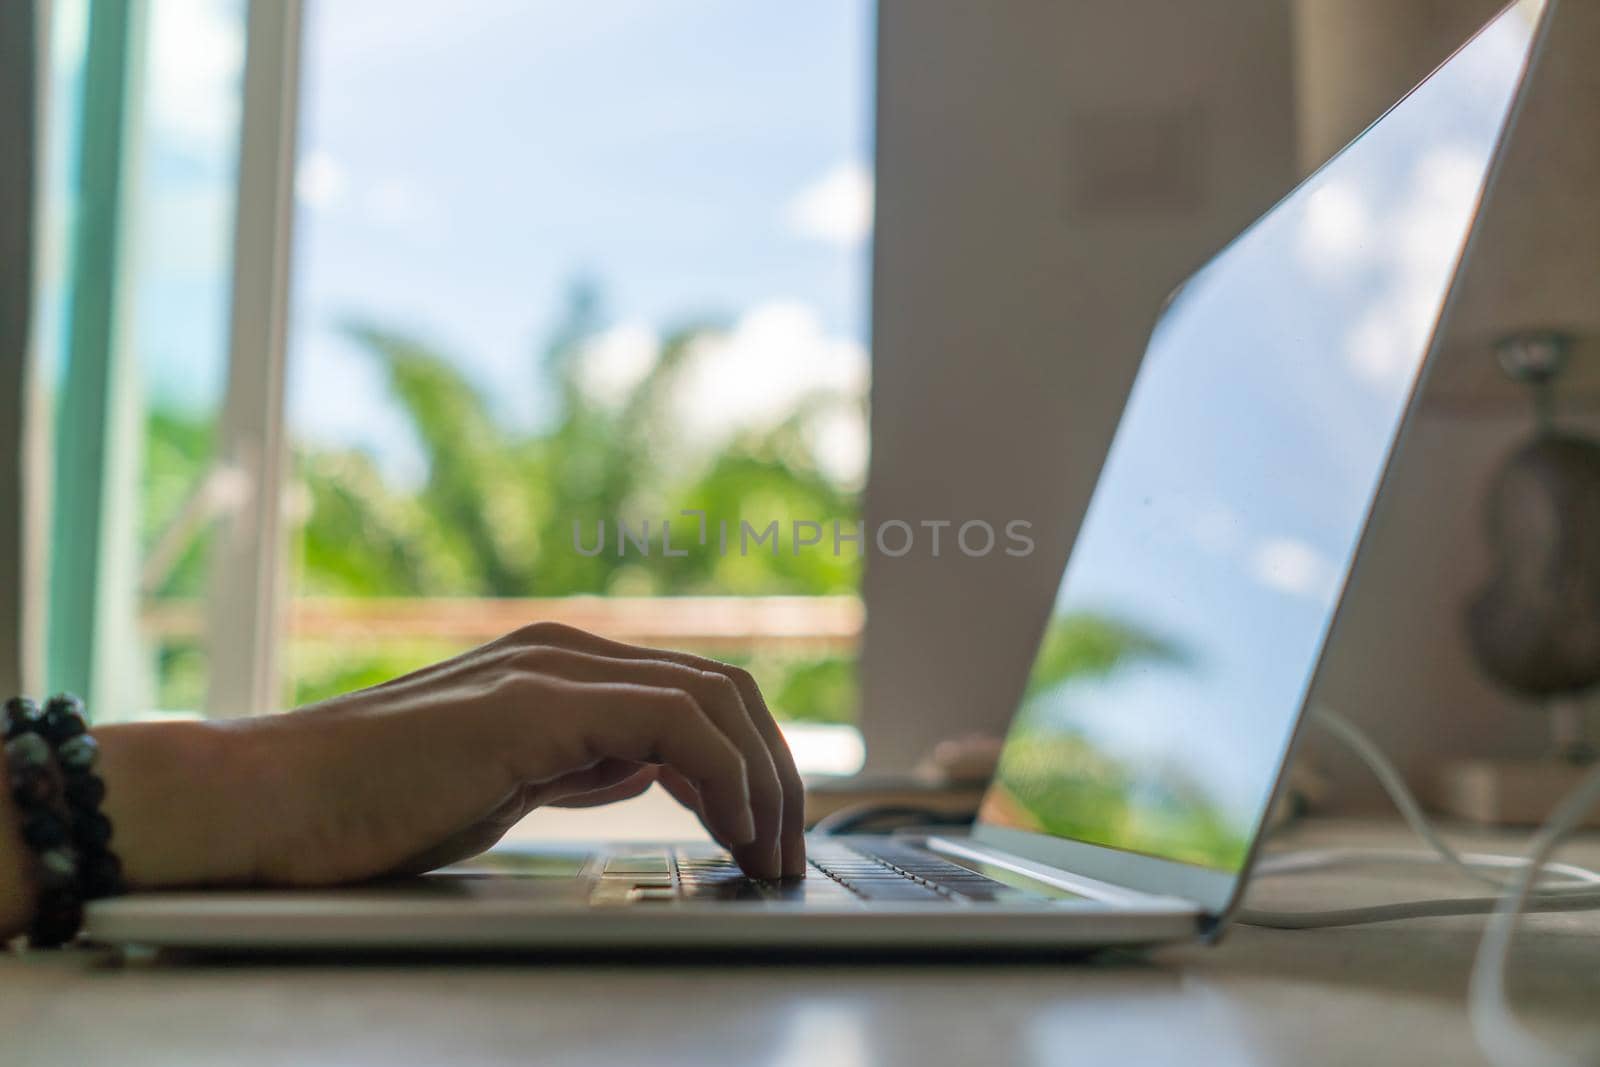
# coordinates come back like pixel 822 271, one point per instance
pixel 462 163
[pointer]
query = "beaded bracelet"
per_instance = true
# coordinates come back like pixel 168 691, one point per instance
pixel 50 758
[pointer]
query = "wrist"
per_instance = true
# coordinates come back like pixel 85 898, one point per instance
pixel 177 803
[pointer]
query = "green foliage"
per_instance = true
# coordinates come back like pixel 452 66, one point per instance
pixel 495 516
pixel 1083 644
pixel 177 455
pixel 322 669
pixel 1061 784
pixel 816 690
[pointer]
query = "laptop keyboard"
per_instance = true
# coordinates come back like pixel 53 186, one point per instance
pixel 880 872
pixel 902 873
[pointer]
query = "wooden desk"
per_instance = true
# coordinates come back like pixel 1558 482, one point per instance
pixel 1366 995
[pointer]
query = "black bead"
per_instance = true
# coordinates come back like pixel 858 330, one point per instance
pixel 64 702
pixel 58 869
pixel 84 791
pixel 44 829
pixel 91 830
pixel 102 876
pixel 79 753
pixel 22 716
pixel 32 786
pixel 63 718
pixel 57 920
pixel 28 750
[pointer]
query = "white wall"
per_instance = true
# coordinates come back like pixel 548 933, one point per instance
pixel 1047 172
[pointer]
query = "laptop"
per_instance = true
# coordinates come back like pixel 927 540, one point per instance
pixel 1177 655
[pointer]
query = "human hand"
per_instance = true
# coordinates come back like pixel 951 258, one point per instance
pixel 437 765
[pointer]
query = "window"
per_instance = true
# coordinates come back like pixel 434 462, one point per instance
pixel 561 273
pixel 139 176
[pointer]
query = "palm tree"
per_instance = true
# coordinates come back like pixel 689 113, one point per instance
pixel 495 516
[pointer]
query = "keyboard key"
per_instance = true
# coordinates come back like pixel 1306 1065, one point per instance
pixel 889 875
pixel 654 863
pixel 900 893
pixel 653 895
pixel 744 889
pixel 900 874
pixel 808 891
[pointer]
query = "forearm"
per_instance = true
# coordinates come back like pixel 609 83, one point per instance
pixel 178 806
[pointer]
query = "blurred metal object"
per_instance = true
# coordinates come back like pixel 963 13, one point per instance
pixel 1495 374
pixel 1533 357
pixel 1534 626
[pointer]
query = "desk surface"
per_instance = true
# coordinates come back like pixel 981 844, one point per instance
pixel 1371 995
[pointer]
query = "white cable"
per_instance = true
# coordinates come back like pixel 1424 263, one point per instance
pixel 1407 909
pixel 1394 784
pixel 1502 1037
pixel 1578 879
pixel 1575 891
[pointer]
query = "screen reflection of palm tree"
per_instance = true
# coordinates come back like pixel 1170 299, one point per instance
pixel 1054 779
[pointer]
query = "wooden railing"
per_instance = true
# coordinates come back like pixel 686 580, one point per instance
pixel 819 624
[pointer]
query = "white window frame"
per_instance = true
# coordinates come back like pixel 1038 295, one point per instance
pixel 248 572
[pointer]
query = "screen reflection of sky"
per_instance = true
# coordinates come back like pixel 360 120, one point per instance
pixel 1233 496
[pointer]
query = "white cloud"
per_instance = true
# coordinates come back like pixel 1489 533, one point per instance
pixel 196 62
pixel 756 375
pixel 1291 566
pixel 1337 230
pixel 394 203
pixel 1434 224
pixel 776 360
pixel 839 442
pixel 613 363
pixel 1387 342
pixel 1384 342
pixel 319 181
pixel 836 208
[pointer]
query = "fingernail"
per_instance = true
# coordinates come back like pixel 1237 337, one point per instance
pixel 794 860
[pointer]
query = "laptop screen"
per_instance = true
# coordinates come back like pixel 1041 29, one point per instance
pixel 1199 593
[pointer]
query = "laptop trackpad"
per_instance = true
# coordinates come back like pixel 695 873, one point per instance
pixel 548 874
pixel 551 862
